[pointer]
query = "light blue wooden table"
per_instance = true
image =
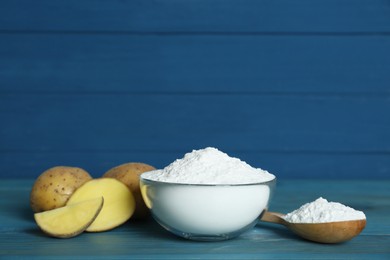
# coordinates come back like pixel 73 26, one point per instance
pixel 21 238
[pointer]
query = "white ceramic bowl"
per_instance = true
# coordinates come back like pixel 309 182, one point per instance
pixel 206 212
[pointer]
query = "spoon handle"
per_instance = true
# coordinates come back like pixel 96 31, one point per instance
pixel 273 217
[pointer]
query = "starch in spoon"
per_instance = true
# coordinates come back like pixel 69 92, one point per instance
pixel 323 211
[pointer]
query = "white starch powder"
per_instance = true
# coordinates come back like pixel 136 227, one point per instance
pixel 322 211
pixel 209 166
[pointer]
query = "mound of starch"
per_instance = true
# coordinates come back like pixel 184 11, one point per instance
pixel 209 166
pixel 323 211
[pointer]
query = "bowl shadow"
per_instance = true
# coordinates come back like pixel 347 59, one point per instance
pixel 278 230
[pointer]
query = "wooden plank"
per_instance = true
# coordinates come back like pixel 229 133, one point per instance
pixel 74 63
pixel 289 135
pixel 232 16
pixel 294 164
pixel 170 122
pixel 20 237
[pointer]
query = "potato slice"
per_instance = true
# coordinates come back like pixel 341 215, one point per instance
pixel 69 221
pixel 119 204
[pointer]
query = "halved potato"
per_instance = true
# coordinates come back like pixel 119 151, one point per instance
pixel 71 220
pixel 119 204
pixel 128 173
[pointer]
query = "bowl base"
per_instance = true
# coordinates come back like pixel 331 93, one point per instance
pixel 207 237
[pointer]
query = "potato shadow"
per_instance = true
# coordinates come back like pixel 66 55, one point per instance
pixel 20 211
pixel 26 213
pixel 152 229
pixel 36 232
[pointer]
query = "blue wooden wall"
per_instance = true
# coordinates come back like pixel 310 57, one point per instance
pixel 300 88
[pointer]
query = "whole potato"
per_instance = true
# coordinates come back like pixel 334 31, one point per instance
pixel 53 187
pixel 128 174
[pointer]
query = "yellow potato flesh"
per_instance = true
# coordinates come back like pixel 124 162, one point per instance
pixel 119 204
pixel 69 221
pixel 128 174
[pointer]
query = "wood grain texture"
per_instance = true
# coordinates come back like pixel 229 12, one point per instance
pixel 145 122
pixel 293 164
pixel 319 16
pixel 77 63
pixel 298 88
pixel 20 237
pixel 265 131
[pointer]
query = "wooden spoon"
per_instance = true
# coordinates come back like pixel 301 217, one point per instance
pixel 330 232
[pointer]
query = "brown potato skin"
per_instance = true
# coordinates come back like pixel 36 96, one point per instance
pixel 54 186
pixel 128 173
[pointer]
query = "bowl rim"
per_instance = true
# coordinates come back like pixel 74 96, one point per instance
pixel 141 178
